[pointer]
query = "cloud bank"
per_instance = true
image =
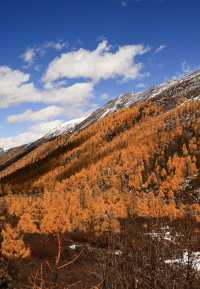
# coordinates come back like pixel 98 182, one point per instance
pixel 16 88
pixel 83 68
pixel 35 116
pixel 34 133
pixel 98 64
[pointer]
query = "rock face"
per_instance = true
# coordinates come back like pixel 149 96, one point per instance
pixel 1 151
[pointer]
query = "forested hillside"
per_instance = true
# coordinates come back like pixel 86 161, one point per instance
pixel 140 161
pixel 126 177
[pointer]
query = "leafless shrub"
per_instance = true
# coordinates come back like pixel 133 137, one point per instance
pixel 143 264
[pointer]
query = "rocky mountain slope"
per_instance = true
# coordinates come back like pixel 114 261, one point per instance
pixel 139 155
pixel 167 95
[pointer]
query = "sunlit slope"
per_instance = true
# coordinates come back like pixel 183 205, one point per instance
pixel 143 159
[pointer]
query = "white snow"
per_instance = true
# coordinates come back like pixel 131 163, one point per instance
pixel 163 234
pixel 65 127
pixel 118 252
pixel 74 246
pixel 193 259
pixel 109 110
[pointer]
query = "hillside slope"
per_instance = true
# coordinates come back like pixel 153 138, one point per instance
pixel 138 155
pixel 166 95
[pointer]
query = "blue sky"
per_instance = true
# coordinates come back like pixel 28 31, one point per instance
pixel 61 59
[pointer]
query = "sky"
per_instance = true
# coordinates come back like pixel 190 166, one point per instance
pixel 61 59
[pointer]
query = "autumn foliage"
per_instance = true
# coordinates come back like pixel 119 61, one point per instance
pixel 136 162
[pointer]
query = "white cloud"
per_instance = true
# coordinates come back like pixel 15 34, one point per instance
pixel 104 96
pixel 16 88
pixel 75 94
pixel 160 48
pixel 186 67
pixel 30 54
pixel 34 132
pixel 141 85
pixel 124 3
pixel 37 131
pixel 35 116
pixel 96 65
pixel 101 38
pixel 71 101
pixel 55 45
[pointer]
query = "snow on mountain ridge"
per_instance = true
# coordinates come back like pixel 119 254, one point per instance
pixel 168 95
pixel 65 127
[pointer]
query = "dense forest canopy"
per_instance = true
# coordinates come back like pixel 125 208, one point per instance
pixel 140 161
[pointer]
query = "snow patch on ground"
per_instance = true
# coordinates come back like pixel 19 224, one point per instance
pixel 74 246
pixel 162 234
pixel 193 259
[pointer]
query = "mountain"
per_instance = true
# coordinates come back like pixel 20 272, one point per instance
pixel 166 95
pixel 64 128
pixel 136 155
pixel 12 155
